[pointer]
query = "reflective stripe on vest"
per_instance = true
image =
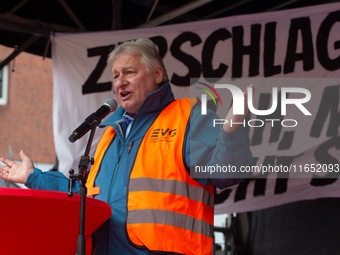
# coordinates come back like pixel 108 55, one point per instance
pixel 167 209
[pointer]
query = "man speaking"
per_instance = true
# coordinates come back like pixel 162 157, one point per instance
pixel 142 162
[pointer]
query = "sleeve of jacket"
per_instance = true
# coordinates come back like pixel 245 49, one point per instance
pixel 55 181
pixel 208 146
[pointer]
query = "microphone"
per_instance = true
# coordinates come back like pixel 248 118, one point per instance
pixel 110 105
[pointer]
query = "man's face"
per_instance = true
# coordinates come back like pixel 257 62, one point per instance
pixel 132 82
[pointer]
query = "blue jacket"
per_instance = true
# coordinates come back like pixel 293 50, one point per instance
pixel 205 146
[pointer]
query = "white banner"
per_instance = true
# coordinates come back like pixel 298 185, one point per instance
pixel 297 43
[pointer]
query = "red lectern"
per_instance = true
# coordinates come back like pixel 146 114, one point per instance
pixel 45 222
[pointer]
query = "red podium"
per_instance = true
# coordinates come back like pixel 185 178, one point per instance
pixel 45 222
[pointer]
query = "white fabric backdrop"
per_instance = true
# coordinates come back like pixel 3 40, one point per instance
pixel 297 43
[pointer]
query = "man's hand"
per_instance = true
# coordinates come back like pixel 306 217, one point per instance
pixel 237 118
pixel 16 172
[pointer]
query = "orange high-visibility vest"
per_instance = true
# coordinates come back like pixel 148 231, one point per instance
pixel 167 210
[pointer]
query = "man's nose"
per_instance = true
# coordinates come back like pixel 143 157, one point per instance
pixel 120 81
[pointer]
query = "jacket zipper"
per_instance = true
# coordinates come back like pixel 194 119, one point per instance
pixel 111 186
pixel 115 170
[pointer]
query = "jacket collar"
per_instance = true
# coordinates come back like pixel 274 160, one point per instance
pixel 154 102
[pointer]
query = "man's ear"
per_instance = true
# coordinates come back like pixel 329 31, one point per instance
pixel 158 73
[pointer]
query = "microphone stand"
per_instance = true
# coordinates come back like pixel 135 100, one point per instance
pixel 82 178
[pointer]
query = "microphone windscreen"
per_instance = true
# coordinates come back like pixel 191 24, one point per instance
pixel 111 103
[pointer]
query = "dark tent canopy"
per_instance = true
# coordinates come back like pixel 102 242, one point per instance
pixel 25 25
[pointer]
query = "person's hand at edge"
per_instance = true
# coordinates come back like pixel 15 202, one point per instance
pixel 16 172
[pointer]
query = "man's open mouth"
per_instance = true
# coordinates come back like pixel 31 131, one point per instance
pixel 124 94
